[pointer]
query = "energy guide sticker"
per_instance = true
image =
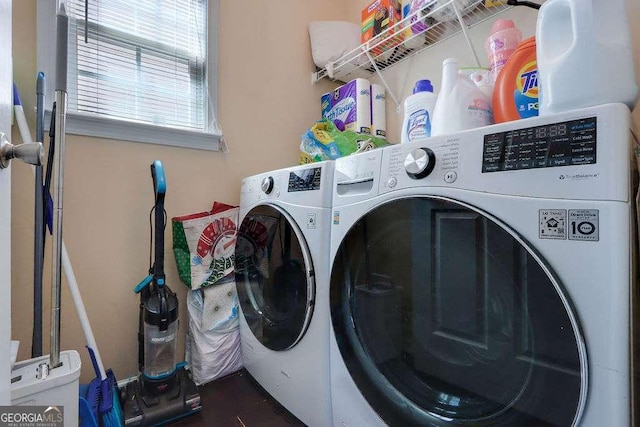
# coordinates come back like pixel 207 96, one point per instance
pixel 584 224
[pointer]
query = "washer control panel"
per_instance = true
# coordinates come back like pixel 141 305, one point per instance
pixel 566 143
pixel 434 162
pixel 581 154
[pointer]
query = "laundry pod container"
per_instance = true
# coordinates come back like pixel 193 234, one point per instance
pixel 500 45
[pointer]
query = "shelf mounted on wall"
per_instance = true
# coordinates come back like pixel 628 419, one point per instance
pixel 442 19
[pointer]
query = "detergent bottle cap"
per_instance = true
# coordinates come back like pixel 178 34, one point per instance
pixel 423 86
pixel 502 24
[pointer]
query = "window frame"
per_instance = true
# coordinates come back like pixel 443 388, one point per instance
pixel 112 128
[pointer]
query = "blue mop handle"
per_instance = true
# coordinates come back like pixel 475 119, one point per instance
pixel 40 95
pixel 40 223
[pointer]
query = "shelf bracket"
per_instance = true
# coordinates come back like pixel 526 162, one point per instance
pixel 382 79
pixel 463 27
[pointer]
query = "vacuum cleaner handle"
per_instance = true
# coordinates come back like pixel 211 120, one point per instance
pixel 159 181
pixel 160 188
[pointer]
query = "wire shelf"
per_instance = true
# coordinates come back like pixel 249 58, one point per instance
pixel 443 20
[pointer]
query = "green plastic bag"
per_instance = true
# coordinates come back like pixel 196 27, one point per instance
pixel 204 245
pixel 324 141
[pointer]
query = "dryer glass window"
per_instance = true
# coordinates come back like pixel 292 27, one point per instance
pixel 271 263
pixel 441 313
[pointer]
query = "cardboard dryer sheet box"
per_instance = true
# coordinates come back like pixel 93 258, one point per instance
pixel 377 17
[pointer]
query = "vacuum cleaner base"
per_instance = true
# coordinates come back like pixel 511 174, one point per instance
pixel 144 409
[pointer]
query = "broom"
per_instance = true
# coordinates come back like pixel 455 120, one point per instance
pixel 102 394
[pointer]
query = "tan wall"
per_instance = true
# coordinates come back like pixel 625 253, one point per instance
pixel 265 102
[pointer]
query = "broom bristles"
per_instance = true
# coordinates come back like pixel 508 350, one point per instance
pixel 110 401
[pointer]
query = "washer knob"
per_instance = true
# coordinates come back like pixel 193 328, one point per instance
pixel 267 184
pixel 419 163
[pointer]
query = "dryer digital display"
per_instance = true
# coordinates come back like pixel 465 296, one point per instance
pixel 304 180
pixel 557 144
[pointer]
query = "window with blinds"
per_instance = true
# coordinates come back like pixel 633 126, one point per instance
pixel 141 65
pixel 142 61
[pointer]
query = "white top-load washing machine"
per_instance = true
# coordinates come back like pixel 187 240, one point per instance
pixel 282 278
pixel 487 278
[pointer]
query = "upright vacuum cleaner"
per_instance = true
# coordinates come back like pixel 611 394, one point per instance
pixel 164 391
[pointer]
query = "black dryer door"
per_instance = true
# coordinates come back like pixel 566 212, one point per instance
pixel 445 315
pixel 274 277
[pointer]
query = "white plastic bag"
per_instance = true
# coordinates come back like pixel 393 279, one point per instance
pixel 213 338
pixel 330 40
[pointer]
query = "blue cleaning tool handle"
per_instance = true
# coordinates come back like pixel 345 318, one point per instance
pixel 40 96
pixel 48 213
pixel 40 84
pixel 143 284
pixel 16 96
pixel 94 362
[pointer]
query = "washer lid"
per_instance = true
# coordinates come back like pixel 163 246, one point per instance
pixel 444 315
pixel 274 277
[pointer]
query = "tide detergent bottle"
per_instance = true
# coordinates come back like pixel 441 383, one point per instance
pixel 515 94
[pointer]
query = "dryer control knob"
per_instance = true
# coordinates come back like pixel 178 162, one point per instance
pixel 419 163
pixel 267 184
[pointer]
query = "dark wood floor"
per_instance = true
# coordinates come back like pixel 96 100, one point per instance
pixel 238 400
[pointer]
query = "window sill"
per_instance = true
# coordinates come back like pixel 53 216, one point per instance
pixel 102 127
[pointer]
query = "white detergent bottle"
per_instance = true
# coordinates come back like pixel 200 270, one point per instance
pixel 461 104
pixel 584 55
pixel 418 110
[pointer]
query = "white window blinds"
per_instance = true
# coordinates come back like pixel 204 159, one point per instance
pixel 141 61
pixel 146 71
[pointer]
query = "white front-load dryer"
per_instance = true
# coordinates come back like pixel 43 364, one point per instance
pixel 487 278
pixel 282 278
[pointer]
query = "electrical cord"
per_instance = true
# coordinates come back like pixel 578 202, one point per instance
pixel 523 3
pixel 164 227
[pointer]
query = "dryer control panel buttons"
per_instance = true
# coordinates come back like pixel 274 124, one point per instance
pixel 305 180
pixel 450 177
pixel 267 184
pixel 419 163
